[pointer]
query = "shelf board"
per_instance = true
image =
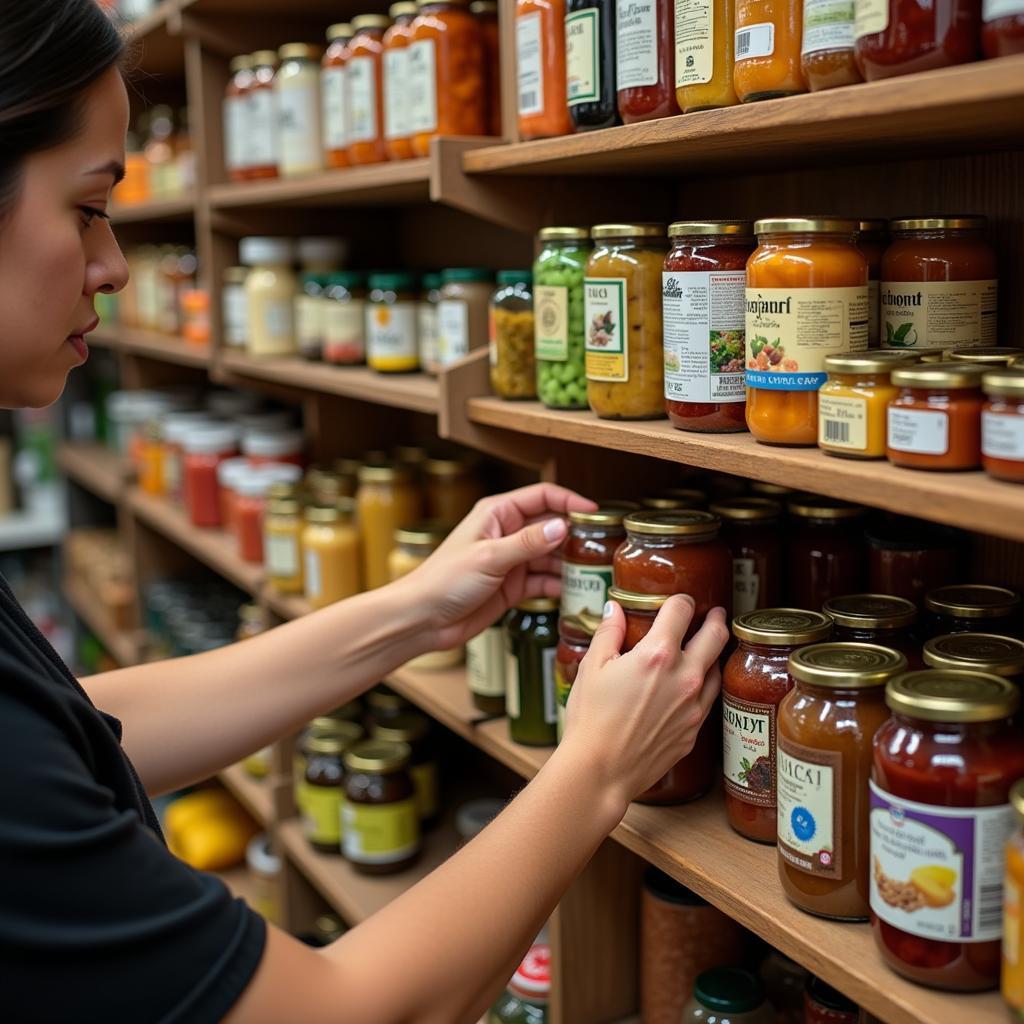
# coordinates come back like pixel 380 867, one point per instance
pixel 121 646
pixel 178 209
pixel 95 468
pixel 155 40
pixel 970 500
pixel 413 391
pixel 255 795
pixel 950 110
pixel 166 348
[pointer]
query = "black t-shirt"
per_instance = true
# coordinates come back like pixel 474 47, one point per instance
pixel 99 922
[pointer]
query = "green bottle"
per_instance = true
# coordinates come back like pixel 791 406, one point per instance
pixel 532 637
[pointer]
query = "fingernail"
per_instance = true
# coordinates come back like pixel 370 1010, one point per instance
pixel 608 608
pixel 554 529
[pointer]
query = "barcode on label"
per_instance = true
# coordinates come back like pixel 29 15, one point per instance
pixel 528 100
pixel 990 906
pixel 755 41
pixel 742 43
pixel 836 431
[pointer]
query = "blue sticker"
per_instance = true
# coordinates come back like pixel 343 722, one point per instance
pixel 803 824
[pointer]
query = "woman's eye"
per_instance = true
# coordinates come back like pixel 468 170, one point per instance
pixel 90 213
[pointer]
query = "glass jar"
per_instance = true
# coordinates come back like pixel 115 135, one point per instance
pixel 486 14
pixel 826 54
pixel 262 142
pixel 383 704
pixel 485 669
pixel 824 1005
pixel 800 267
pixel 703 309
pixel 532 637
pixel 543 110
pixel 234 307
pixel 330 549
pixel 730 995
pixel 752 532
pixel 205 447
pixel 426 323
pixel 150 461
pixel 900 37
pixel 344 319
pixel 249 509
pixel 622 310
pixel 826 550
pixel 463 312
pixel 587 558
pixel 877 619
pixel 825 727
pixel 396 79
pixel 1002 424
pixel 1002 30
pixel 940 816
pixel 755 680
pixel 977 652
pixel 270 288
pixel 446 69
pixel 413 729
pixel 297 96
pixel 872 238
pixel 379 816
pixel 574 636
pixel 363 78
pixel 769 35
pixel 388 499
pixel 939 284
pixel 236 118
pixel 282 545
pixel 1013 920
pixel 525 1001
pixel 391 342
pixel 559 326
pixel 908 557
pixel 321 793
pixel 935 420
pixel 705 37
pixel 994 358
pixel 590 63
pixel 645 61
pixel 972 608
pixel 453 487
pixel 513 373
pixel 334 95
pixel 309 316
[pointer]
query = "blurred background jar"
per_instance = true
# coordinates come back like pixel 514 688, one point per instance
pixel 513 372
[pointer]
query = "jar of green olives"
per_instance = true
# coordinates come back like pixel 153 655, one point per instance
pixel 558 317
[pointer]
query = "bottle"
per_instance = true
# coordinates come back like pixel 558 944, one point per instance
pixel 590 63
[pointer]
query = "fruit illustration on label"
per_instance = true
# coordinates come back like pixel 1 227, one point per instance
pixel 769 355
pixel 929 886
pixel 757 776
pixel 602 330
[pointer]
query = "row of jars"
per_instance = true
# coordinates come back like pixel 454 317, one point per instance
pixel 383 88
pixel 160 163
pixel 587 64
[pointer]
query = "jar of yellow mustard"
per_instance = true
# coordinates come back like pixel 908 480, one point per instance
pixel 852 403
pixel 391 340
pixel 282 544
pixel 331 557
pixel 453 487
pixel 387 499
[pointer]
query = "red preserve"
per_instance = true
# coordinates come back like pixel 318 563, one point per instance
pixel 205 448
pixel 645 58
pixel 1003 30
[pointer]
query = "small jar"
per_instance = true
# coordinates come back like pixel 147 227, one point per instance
pixel 264 872
pixel 195 316
pixel 309 316
pixel 270 288
pixel 513 373
pixel 229 472
pixel 532 637
pixel 705 57
pixel 1013 919
pixel 872 239
pixel 485 669
pixel 249 508
pixel 1002 424
pixel 1002 30
pixel 587 558
pixel 383 704
pixel 236 118
pixel 391 343
pixel 703 309
pixel 380 818
pixel 935 420
pixel 330 551
pixel 995 357
pixel 645 57
pixel 977 652
pixel 730 995
pixel 413 729
pixel 388 499
pixel 622 312
pixel 462 312
pixel 590 63
pixel 826 550
pixel 297 95
pixel 344 299
pixel 262 141
pixel 334 95
pixel 826 53
pixel 426 323
pixel 205 448
pixel 486 14
pixel 825 727
pixel 768 40
pixel 750 529
pixel 755 680
pixel 943 767
pixel 876 619
pixel 364 79
pixel 574 636
pixel 972 608
pixel 399 101
pixel 151 459
pixel 451 488
pixel 282 548
pixel 824 1005
pixel 908 557
pixel 234 310
pixel 322 793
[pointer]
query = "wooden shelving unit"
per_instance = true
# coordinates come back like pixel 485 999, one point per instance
pixel 155 211
pixel 95 468
pixel 122 646
pixel 255 795
pixel 166 348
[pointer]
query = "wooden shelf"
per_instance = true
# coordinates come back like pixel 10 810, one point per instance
pixel 951 111
pixel 180 209
pixel 165 347
pixel 156 40
pixel 121 646
pixel 95 468
pixel 255 795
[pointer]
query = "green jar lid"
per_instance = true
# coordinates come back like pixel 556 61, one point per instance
pixel 430 281
pixel 467 274
pixel 509 277
pixel 400 281
pixel 320 279
pixel 345 278
pixel 729 990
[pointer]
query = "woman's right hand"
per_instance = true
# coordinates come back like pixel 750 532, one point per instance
pixel 632 716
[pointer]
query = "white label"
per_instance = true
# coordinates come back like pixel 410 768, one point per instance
pixel 391 331
pixel 362 99
pixel 748 750
pixel 452 330
pixel 828 25
pixel 551 322
pixel 422 89
pixel 870 16
pixel 703 335
pixel 235 311
pixel 426 330
pixel 993 9
pixel 262 142
pixel 278 320
pixel 236 133
pixel 313 581
pixel 548 666
pixel 396 96
pixel 584 588
pixel 529 65
pixel 309 323
pixel 343 331
pixel 746 585
pixel 298 118
pixel 282 555
pixel 1002 436
pixel 485 662
pixel 636 44
pixel 808 785
pixel 914 430
pixel 842 422
pixel 582 62
pixel 334 100
pixel 512 697
pixel 605 301
pixel 755 41
pixel 695 42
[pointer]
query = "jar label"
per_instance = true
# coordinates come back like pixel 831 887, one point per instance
pixel 485 662
pixel 421 92
pixel 397 98
pixel 380 833
pixel 262 142
pixel 918 431
pixel 277 321
pixel 548 681
pixel 529 65
pixel 321 813
pixel 938 314
pixel 424 777
pixel 1002 436
pixel 607 343
pixel 755 40
pixel 695 42
pixel 870 17
pixel 828 25
pixel 584 588
pixel 746 585
pixel 309 323
pixel 313 581
pixel 235 314
pixel 298 118
pixel 843 422
pixel 343 331
pixel 636 44
pixel 334 98
pixel 426 331
pixel 703 334
pixel 513 704
pixel 282 555
pixel 873 318
pixel 748 750
pixel 236 133
pixel 391 332
pixel 551 322
pixel 452 330
pixel 937 872
pixel 789 331
pixel 993 9
pixel 582 61
pixel 809 786
pixel 362 99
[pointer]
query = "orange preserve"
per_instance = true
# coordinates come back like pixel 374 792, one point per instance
pixel 769 34
pixel 540 69
pixel 364 79
pixel 705 39
pixel 486 14
pixel 334 95
pixel 448 91
pixel 1013 920
pixel 826 56
pixel 1002 424
pixel 399 100
pixel 806 298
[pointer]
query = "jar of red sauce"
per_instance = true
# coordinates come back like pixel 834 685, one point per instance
pixel 877 619
pixel 972 608
pixel 205 448
pixel 693 775
pixel 755 679
pixel 1002 424
pixel 249 504
pixel 824 1005
pixel 943 767
pixel 263 447
pixel 1002 30
pixel 704 313
pixel 907 557
pixel 645 55
pixel 574 636
pixel 229 472
pixel 750 528
pixel 826 550
pixel 587 558
pixel 977 652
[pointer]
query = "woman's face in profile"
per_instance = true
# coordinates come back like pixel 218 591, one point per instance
pixel 57 250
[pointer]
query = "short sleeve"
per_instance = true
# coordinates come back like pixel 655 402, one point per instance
pixel 98 920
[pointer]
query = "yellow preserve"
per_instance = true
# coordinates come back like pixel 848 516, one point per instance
pixel 387 500
pixel 331 552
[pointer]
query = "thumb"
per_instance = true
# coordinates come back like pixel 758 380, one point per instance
pixel 523 546
pixel 608 637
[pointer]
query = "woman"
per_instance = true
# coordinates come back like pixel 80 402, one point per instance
pixel 97 920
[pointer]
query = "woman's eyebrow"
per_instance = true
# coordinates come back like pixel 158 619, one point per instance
pixel 114 168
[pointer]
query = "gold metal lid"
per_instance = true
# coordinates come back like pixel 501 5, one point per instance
pixel 564 235
pixel 428 533
pixel 645 230
pixel 390 473
pixel 300 51
pixel 666 504
pixel 991 356
pixel 585 623
pixel 264 59
pixel 342 509
pixel 370 21
pixel 343 30
pixel 973 601
pixel 871 611
pixel 763 487
pixel 1008 382
pixel 282 490
pixel 952 695
pixel 959 223
pixel 377 756
pixel 326 725
pixel 604 515
pixel 748 509
pixel 782 627
pixel 350 712
pixel 283 507
pixel 637 602
pixel 846 666
pixel 818 506
pixel 336 741
pixel 242 63
pixel 877 361
pixel 872 226
pixel 684 523
pixel 806 226
pixel 383 698
pixel 982 652
pixel 448 467
pixel 932 375
pixel 682 228
pixel 538 604
pixel 677 498
pixel 402 9
pixel 1017 798
pixel 929 355
pixel 404 728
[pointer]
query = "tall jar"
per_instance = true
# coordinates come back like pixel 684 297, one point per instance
pixel 270 288
pixel 543 111
pixel 334 95
pixel 297 95
pixel 940 817
pixel 485 669
pixel 262 143
pixel 769 35
pixel 574 637
pixel 972 608
pixel 321 790
pixel 826 53
pixel 877 619
pixel 532 637
pixel 391 342
pixel 235 118
pixel 590 63
pixel 559 324
pixel 872 237
pixel 387 500
pixel 705 55
pixel 826 550
pixel 755 680
pixel 513 373
pixel 344 299
pixel 282 545
pixel 825 727
pixel 703 309
pixel 234 308
pixel 1002 424
pixel 801 267
pixel 396 78
pixel 645 57
pixel 364 77
pixel 1013 919
pixel 330 548
pixel 452 488
pixel 486 14
pixel 622 312
pixel 463 312
pixel 309 316
pixel 587 559
pixel 752 530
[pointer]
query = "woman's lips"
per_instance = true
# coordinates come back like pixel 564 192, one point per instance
pixel 77 342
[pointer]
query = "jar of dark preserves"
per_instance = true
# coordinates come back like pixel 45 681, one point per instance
pixel 907 557
pixel 877 619
pixel 824 1005
pixel 574 636
pixel 382 704
pixel 413 729
pixel 587 558
pixel 322 792
pixel 590 63
pixel 826 550
pixel 977 652
pixel 347 728
pixel 972 608
pixel 750 528
pixel 532 638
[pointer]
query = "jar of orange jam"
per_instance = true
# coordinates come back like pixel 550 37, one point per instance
pixel 826 55
pixel 769 35
pixel 1013 920
pixel 1002 424
pixel 807 298
pixel 705 40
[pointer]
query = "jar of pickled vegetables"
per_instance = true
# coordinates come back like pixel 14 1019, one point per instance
pixel 705 37
pixel 826 54
pixel 622 312
pixel 769 34
pixel 513 374
pixel 532 638
pixel 807 298
pixel 559 326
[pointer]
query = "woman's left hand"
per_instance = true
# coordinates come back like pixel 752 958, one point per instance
pixel 502 553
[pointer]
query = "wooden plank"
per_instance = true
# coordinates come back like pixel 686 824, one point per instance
pixel 151 344
pixel 95 468
pixel 155 210
pixel 155 40
pixel 255 795
pixel 120 645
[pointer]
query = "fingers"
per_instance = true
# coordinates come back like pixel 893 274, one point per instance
pixel 710 690
pixel 608 636
pixel 706 645
pixel 524 546
pixel 541 585
pixel 540 499
pixel 671 623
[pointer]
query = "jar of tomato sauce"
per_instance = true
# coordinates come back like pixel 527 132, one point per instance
pixel 826 550
pixel 1002 30
pixel 205 448
pixel 750 528
pixel 973 608
pixel 574 636
pixel 940 817
pixel 907 557
pixel 703 290
pixel 645 56
pixel 587 558
pixel 877 619
pixel 755 680
pixel 977 652
pixel 1002 424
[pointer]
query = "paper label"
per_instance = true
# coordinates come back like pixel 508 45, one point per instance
pixel 278 320
pixel 334 98
pixel 262 140
pixel 513 705
pixel 873 293
pixel 548 668
pixel 607 341
pixel 362 99
pixel 426 331
pixel 843 422
pixel 746 585
pixel 828 25
pixel 452 330
pixel 755 40
pixel 485 662
pixel 380 834
pixel 938 314
pixel 748 750
pixel 584 588
pixel 937 872
pixel 422 89
pixel 344 324
pixel 870 16
pixel 397 98
pixel 551 322
pixel 993 9
pixel 809 785
pixel 391 331
pixel 915 430
pixel 282 555
pixel 235 312
pixel 529 65
pixel 236 132
pixel 321 813
pixel 695 42
pixel 298 118
pixel 1002 436
pixel 424 777
pixel 309 323
pixel 582 60
pixel 703 335
pixel 313 581
pixel 636 44
pixel 789 331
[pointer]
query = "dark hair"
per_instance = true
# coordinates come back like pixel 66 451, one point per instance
pixel 50 52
